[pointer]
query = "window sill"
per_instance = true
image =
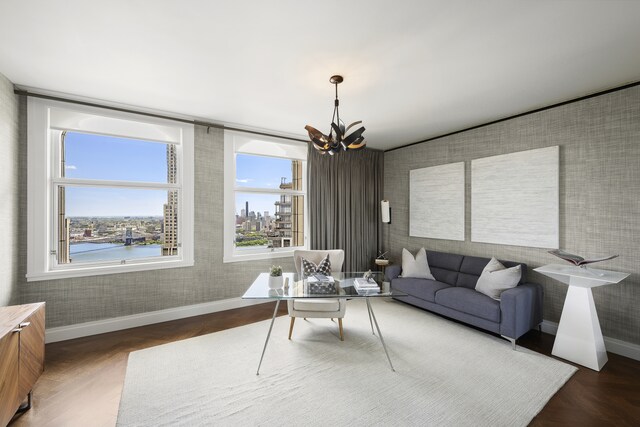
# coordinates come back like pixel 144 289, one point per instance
pixel 258 256
pixel 106 269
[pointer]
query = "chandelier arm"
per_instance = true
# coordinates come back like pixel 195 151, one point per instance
pixel 341 141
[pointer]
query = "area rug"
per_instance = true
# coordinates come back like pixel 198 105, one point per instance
pixel 447 374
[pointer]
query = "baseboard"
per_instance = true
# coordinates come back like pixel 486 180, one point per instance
pixel 613 345
pixel 79 330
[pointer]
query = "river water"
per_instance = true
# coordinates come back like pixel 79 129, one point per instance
pixel 91 252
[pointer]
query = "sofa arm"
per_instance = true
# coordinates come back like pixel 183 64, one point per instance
pixel 392 271
pixel 521 309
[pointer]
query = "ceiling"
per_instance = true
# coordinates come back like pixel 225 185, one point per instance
pixel 412 69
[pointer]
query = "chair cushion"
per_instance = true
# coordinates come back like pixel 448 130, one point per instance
pixel 319 304
pixel 323 267
pixel 421 288
pixel 469 301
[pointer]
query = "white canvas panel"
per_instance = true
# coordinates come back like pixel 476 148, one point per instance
pixel 436 202
pixel 515 199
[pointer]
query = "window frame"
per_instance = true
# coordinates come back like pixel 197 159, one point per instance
pixel 47 119
pixel 232 142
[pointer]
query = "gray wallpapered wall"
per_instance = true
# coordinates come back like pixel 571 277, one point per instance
pixel 599 141
pixel 9 193
pixel 85 299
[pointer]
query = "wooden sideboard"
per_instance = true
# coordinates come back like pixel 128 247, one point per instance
pixel 21 356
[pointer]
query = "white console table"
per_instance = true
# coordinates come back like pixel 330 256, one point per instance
pixel 579 338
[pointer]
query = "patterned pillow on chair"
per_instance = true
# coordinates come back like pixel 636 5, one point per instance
pixel 309 268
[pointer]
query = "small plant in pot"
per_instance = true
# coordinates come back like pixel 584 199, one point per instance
pixel 275 277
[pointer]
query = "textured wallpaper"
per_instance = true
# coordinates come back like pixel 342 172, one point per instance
pixel 84 299
pixel 599 141
pixel 9 192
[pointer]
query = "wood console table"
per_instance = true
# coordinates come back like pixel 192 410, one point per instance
pixel 21 356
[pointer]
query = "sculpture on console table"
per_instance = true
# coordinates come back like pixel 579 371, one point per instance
pixel 578 260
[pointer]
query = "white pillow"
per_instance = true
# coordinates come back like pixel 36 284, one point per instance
pixel 416 267
pixel 496 278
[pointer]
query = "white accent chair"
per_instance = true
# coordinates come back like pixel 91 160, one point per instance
pixel 327 308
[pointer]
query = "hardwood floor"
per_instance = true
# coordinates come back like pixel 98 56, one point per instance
pixel 83 378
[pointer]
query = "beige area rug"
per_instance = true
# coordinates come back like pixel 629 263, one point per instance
pixel 446 375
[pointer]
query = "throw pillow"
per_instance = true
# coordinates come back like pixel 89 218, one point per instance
pixel 417 266
pixel 496 278
pixel 309 268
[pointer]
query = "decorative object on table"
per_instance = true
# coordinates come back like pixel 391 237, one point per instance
pixel 309 268
pixel 382 259
pixel 286 285
pixel 366 285
pixel 320 278
pixel 385 212
pixel 578 260
pixel 321 288
pixel 275 277
pixel 331 143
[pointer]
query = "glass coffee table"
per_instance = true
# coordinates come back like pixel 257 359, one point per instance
pixel 301 288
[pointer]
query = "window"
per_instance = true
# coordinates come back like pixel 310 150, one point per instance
pixel 108 192
pixel 265 197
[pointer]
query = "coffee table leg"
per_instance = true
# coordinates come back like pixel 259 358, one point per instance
pixel 269 334
pixel 379 333
pixel 370 321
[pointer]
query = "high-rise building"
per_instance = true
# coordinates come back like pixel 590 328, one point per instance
pixel 289 214
pixel 170 209
pixel 63 252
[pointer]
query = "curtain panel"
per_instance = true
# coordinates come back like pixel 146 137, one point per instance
pixel 345 191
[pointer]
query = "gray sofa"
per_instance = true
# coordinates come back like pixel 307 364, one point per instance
pixel 453 294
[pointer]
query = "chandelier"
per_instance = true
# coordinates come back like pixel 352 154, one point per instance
pixel 337 139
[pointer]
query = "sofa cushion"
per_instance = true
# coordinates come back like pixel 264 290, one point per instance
pixel 444 260
pixel 444 266
pixel 495 278
pixel 470 269
pixel 417 266
pixel 444 275
pixel 421 288
pixel 470 302
pixel 523 269
pixel 319 304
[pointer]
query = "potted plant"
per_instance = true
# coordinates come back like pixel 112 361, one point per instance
pixel 275 277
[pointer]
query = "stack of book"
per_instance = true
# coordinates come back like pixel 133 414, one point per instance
pixel 320 278
pixel 365 287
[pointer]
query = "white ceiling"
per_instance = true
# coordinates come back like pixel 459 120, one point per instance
pixel 413 69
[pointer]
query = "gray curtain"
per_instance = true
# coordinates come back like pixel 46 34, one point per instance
pixel 344 204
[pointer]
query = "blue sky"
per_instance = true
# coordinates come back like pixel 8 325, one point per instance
pixel 105 157
pixel 261 172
